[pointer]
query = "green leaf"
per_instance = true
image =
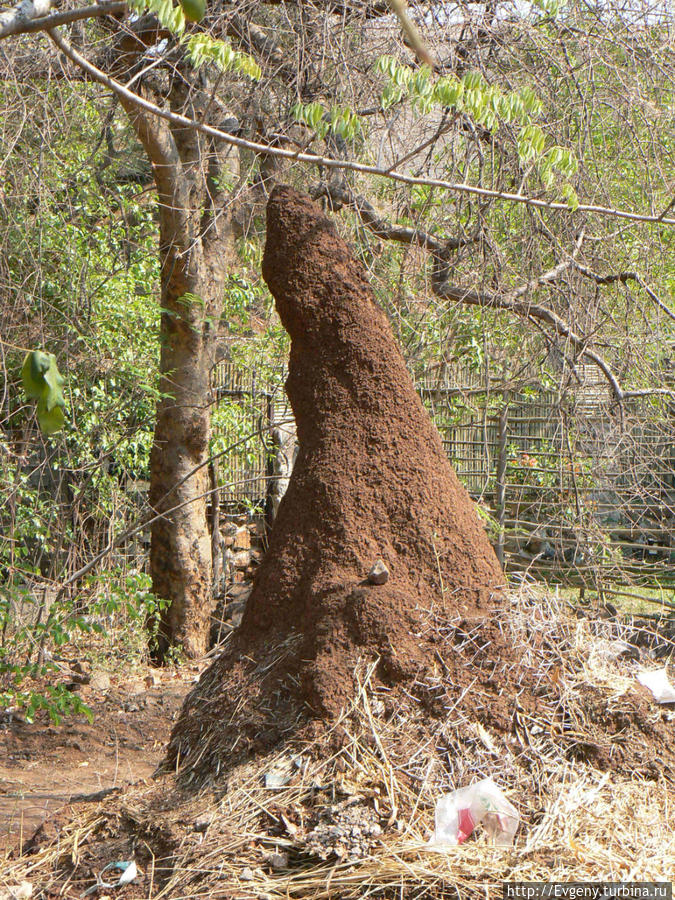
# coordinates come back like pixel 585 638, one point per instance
pixel 401 75
pixel 53 394
pixel 571 196
pixel 391 94
pixel 33 373
pixel 448 91
pixel 43 382
pixel 194 10
pixel 473 81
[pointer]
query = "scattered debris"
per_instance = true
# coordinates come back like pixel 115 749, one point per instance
pixel 458 813
pixel 658 683
pixel 129 872
pixel 346 831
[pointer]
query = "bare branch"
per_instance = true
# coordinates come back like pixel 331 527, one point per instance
pixel 526 309
pixel 412 33
pixel 15 21
pixel 624 277
pixel 256 41
pixel 340 195
pixel 331 163
pixel 512 301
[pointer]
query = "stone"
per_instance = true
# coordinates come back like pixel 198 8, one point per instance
pixel 241 559
pixel 239 592
pixel 277 859
pixel 100 681
pixel 379 574
pixel 242 539
pixel 201 824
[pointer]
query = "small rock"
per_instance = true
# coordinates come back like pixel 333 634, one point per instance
pixel 239 592
pixel 277 859
pixel 201 824
pixel 78 679
pixel 279 774
pixel 246 874
pixel 100 681
pixel 379 574
pixel 241 559
pixel 234 614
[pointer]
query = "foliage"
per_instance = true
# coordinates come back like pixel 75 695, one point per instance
pixel 121 615
pixel 201 47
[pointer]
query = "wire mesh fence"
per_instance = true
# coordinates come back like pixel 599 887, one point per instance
pixel 573 488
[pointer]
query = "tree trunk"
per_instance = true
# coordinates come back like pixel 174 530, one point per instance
pixel 180 548
pixel 196 241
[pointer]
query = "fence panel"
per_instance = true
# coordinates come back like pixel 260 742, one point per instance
pixel 572 490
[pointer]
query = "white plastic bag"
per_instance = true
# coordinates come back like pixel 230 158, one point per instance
pixel 458 813
pixel 658 683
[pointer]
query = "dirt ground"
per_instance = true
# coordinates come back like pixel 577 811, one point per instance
pixel 44 766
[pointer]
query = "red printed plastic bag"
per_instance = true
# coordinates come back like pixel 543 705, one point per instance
pixel 458 813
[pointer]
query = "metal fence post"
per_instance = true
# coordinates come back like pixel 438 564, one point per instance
pixel 500 489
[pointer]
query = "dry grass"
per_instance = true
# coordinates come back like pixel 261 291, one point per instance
pixel 577 822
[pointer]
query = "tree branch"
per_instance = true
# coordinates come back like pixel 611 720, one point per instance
pixel 267 50
pixel 339 195
pixel 24 12
pixel 338 164
pixel 624 277
pixel 512 301
pixel 30 15
pixel 411 32
pixel 158 142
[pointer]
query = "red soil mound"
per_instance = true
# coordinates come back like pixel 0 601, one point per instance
pixel 371 482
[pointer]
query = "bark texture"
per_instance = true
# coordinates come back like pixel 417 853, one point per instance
pixel 196 240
